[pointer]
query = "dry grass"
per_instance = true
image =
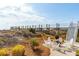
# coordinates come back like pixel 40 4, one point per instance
pixel 18 50
pixel 4 52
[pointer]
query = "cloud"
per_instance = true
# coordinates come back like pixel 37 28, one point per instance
pixel 4 3
pixel 18 13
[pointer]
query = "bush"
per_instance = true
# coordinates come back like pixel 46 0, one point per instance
pixel 18 50
pixel 4 52
pixel 32 30
pixel 77 39
pixel 34 42
pixel 46 32
pixel 77 52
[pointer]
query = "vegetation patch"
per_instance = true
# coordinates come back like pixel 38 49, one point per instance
pixel 77 52
pixel 18 50
pixel 4 52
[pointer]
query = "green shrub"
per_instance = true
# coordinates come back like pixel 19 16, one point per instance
pixel 18 50
pixel 77 39
pixel 32 30
pixel 77 52
pixel 4 52
pixel 34 42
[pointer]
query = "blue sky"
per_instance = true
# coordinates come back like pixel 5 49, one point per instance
pixel 20 13
pixel 64 13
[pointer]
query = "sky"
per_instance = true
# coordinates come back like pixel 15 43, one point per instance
pixel 21 13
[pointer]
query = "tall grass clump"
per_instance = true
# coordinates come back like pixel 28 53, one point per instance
pixel 34 42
